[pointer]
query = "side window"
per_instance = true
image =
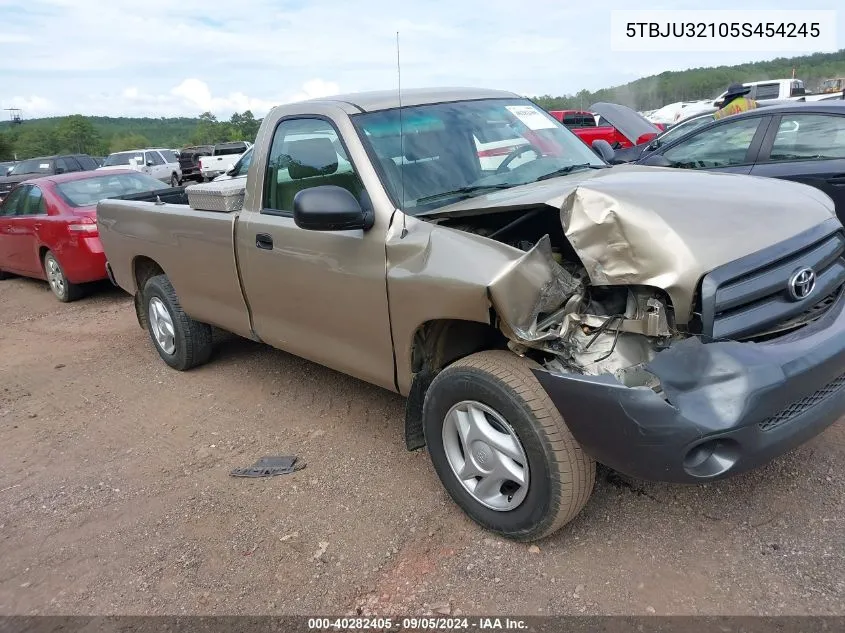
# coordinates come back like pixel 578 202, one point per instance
pixel 14 201
pixel 719 146
pixel 72 164
pixel 809 137
pixel 766 91
pixel 86 162
pixel 32 203
pixel 156 158
pixel 242 166
pixel 306 153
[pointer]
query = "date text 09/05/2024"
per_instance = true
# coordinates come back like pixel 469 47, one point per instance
pixel 723 29
pixel 416 624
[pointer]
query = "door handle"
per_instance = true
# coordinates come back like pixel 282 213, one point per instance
pixel 264 241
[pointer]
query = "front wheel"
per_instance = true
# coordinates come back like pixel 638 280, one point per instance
pixel 174 181
pixel 61 287
pixel 501 448
pixel 181 341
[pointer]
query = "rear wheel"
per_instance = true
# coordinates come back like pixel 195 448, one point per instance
pixel 501 448
pixel 174 181
pixel 61 287
pixel 181 341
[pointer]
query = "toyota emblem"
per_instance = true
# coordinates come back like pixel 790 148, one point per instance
pixel 802 283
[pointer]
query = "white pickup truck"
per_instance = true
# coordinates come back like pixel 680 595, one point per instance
pixel 761 91
pixel 224 156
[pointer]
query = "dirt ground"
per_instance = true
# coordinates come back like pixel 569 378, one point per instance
pixel 115 498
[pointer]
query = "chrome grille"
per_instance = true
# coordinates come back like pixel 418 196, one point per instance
pixel 800 406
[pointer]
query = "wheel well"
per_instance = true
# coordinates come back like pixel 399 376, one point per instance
pixel 42 251
pixel 437 344
pixel 143 268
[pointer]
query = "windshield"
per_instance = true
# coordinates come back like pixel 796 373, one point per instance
pixel 34 166
pixel 450 151
pixel 123 158
pixel 242 166
pixel 88 191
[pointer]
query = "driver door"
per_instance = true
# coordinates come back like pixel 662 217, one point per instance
pixel 317 294
pixel 728 146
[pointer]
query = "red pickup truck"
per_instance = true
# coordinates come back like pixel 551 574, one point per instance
pixel 584 125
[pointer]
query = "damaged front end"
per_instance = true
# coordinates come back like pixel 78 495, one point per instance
pixel 655 402
pixel 579 328
pixel 672 356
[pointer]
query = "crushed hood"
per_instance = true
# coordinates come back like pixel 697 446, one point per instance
pixel 637 225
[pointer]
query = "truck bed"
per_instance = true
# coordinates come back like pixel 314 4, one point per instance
pixel 196 248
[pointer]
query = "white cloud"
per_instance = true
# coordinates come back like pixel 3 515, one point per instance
pixel 162 58
pixel 314 89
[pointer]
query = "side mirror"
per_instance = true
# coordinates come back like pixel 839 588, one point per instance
pixel 330 208
pixel 149 163
pixel 230 171
pixel 60 170
pixel 604 150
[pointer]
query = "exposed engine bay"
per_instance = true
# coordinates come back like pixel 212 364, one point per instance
pixel 573 326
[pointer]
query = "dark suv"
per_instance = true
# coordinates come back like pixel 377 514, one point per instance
pixel 189 160
pixel 44 166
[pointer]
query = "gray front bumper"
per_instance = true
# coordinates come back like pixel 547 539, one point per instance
pixel 730 406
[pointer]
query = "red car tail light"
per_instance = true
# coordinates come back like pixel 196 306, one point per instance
pixel 84 226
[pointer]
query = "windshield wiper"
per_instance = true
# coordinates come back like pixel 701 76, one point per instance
pixel 464 191
pixel 568 170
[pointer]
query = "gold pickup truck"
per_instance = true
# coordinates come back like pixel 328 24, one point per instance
pixel 540 310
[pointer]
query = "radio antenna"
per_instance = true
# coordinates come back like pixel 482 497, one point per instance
pixel 401 141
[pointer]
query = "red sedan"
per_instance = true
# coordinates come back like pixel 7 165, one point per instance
pixel 48 227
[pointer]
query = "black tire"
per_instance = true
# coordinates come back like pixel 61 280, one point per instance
pixel 5 275
pixel 174 180
pixel 192 338
pixel 561 475
pixel 56 279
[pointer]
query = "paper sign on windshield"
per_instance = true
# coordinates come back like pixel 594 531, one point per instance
pixel 531 116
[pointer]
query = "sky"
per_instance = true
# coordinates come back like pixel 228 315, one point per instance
pixel 183 57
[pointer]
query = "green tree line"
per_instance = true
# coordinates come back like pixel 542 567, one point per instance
pixel 99 136
pixel 703 83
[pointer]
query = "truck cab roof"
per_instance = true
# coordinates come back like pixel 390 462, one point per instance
pixel 389 99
